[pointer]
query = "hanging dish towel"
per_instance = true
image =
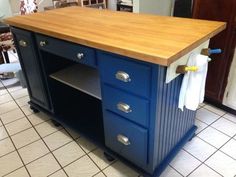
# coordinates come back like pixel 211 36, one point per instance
pixel 193 85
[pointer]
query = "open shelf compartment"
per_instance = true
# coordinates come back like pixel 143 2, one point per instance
pixel 80 77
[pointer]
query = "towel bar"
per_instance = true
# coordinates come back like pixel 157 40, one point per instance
pixel 208 51
pixel 182 69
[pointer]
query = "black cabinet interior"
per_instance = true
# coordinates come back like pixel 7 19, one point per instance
pixel 72 107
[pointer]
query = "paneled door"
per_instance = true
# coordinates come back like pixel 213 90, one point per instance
pixel 219 10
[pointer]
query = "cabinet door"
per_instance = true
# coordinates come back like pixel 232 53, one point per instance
pixel 28 57
pixel 218 10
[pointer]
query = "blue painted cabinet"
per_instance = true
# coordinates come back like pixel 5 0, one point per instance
pixel 136 117
pixel 28 56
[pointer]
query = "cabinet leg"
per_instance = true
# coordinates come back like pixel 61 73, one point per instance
pixel 108 157
pixel 190 139
pixel 34 109
pixel 55 123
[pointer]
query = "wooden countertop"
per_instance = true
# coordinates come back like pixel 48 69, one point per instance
pixel 155 39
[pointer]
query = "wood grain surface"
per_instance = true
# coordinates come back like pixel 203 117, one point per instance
pixel 156 39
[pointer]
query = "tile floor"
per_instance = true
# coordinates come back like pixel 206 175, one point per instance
pixel 31 146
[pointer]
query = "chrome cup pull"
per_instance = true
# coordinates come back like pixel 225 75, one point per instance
pixel 123 139
pixel 123 76
pixel 43 43
pixel 124 107
pixel 80 56
pixel 23 43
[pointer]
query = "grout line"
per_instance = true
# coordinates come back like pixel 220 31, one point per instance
pixel 13 120
pixel 47 147
pixel 13 141
pixel 40 138
pixel 85 151
pixel 9 110
pixel 217 149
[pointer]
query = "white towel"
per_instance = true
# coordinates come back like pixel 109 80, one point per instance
pixel 193 86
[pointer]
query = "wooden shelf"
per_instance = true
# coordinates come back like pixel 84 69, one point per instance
pixel 80 77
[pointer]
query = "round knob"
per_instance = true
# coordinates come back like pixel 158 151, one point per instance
pixel 80 56
pixel 42 43
pixel 22 43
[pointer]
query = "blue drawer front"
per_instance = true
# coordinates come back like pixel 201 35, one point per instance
pixel 139 108
pixel 136 151
pixel 67 50
pixel 140 75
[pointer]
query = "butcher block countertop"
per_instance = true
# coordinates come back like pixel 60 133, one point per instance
pixel 156 39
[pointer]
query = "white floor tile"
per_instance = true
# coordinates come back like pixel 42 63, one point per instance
pixel 225 126
pixel 18 126
pixel 199 149
pixel 47 128
pixel 204 171
pixel 100 175
pixel 9 163
pixel 99 158
pixel 230 148
pixel 230 117
pixel 6 146
pixel 14 87
pixel 3 91
pixel 5 98
pixel 184 163
pixel 22 101
pixel 213 137
pixel 223 164
pixel 57 139
pixel 12 116
pixel 206 116
pixel 74 152
pixel 59 173
pixel 87 145
pixel 3 133
pixel 26 137
pixel 19 93
pixel 6 107
pixel 83 167
pixel 43 166
pixel 38 118
pixel 119 169
pixel 200 125
pixel 26 109
pixel 170 172
pixel 10 82
pixel 73 133
pixel 19 173
pixel 33 151
pixel 215 110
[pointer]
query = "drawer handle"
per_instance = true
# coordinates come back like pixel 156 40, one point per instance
pixel 123 76
pixel 124 107
pixel 123 139
pixel 43 43
pixel 80 56
pixel 23 43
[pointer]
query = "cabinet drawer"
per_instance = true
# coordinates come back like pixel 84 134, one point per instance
pixel 127 75
pixel 72 51
pixel 126 105
pixel 125 138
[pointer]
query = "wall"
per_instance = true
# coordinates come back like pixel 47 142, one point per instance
pixel 5 9
pixel 112 4
pixel 159 7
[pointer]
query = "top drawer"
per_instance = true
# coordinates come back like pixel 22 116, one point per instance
pixel 128 75
pixel 72 51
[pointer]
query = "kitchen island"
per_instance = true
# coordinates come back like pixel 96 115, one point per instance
pixel 104 74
